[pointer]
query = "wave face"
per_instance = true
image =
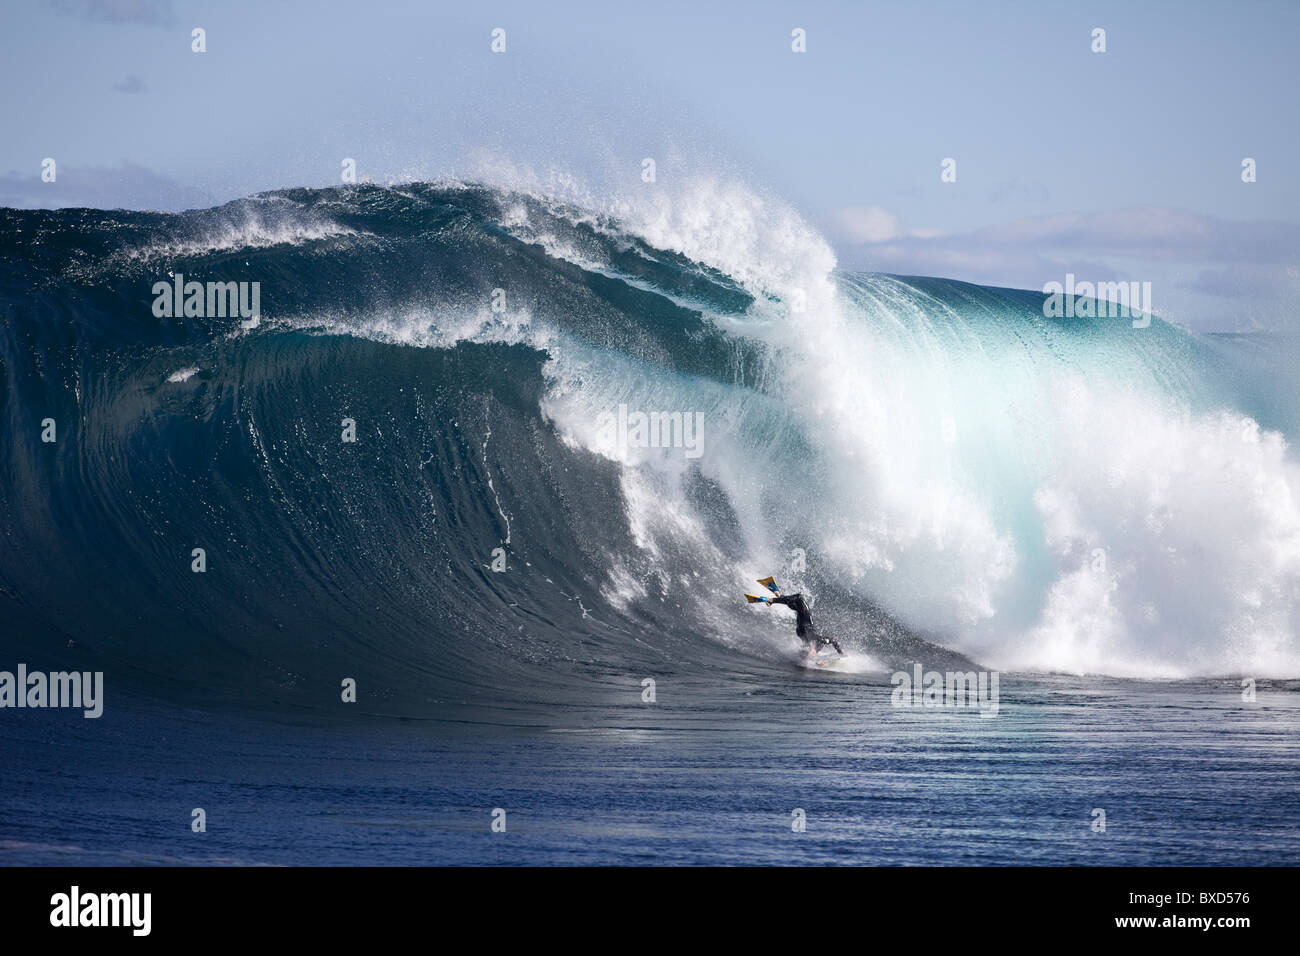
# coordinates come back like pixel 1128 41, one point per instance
pixel 937 462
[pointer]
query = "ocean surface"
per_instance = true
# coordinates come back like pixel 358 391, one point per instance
pixel 710 774
pixel 420 473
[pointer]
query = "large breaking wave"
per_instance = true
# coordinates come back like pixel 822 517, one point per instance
pixel 938 464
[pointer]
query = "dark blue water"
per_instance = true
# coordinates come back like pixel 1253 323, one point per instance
pixel 1186 772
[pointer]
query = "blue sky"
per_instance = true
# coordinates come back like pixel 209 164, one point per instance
pixel 1117 165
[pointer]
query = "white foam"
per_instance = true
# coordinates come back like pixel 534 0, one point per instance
pixel 433 326
pixel 976 521
pixel 965 482
pixel 248 230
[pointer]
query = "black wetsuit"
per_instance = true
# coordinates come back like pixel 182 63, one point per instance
pixel 803 621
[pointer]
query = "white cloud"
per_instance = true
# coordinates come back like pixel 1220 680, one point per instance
pixel 127 187
pixel 865 224
pixel 157 12
pixel 1207 269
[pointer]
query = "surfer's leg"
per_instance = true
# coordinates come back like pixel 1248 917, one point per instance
pixel 818 640
pixel 809 639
